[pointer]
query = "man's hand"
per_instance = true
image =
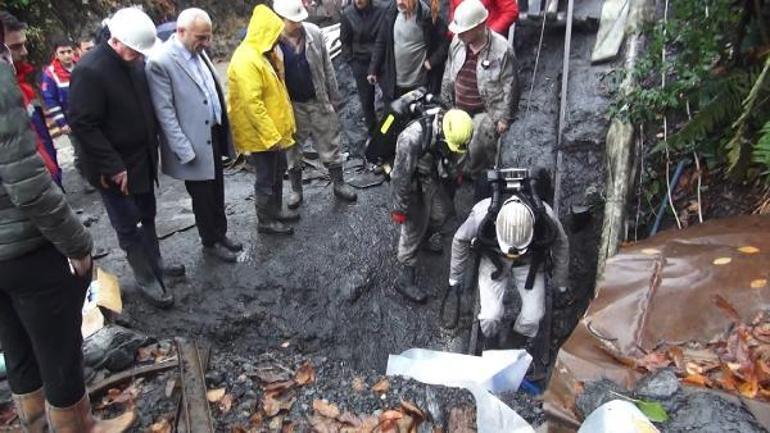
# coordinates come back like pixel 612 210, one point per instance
pixel 372 79
pixel 82 267
pixel 427 66
pixel 66 130
pixel 120 179
pixel 502 126
pixel 398 217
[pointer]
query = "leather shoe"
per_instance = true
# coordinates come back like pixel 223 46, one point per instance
pixel 231 245
pixel 173 271
pixel 220 251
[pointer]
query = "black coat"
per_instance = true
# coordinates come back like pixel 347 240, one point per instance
pixel 358 32
pixel 383 63
pixel 111 116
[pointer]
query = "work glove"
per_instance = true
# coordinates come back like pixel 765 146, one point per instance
pixel 450 306
pixel 398 217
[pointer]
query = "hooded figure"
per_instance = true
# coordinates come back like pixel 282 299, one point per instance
pixel 261 116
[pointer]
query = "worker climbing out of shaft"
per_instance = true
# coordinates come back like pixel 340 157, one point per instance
pixel 428 151
pixel 518 239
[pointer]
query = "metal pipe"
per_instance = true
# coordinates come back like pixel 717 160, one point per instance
pixel 664 200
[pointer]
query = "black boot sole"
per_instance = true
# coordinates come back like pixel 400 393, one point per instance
pixel 268 231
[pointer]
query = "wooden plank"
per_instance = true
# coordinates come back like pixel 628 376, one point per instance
pixel 196 414
pixel 563 105
pixel 182 418
pixel 117 379
pixel 612 29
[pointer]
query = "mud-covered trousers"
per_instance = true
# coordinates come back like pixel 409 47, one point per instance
pixel 483 146
pixel 491 293
pixel 269 168
pixel 429 208
pixel 41 305
pixel 316 121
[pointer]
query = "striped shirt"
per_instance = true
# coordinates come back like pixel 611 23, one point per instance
pixel 467 95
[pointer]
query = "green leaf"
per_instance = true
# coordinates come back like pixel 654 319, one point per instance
pixel 652 410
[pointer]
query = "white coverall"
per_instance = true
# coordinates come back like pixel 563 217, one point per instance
pixel 491 291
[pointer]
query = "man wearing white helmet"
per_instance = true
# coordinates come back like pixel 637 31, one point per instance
pixel 517 241
pixel 111 115
pixel 481 77
pixel 305 55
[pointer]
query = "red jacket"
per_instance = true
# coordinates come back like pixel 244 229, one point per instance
pixel 502 13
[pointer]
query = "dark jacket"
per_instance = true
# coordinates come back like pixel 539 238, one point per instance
pixel 111 115
pixel 358 32
pixel 33 210
pixel 383 63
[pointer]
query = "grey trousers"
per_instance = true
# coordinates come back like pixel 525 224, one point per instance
pixel 429 208
pixel 318 122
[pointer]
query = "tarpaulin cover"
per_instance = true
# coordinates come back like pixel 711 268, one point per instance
pixel 662 290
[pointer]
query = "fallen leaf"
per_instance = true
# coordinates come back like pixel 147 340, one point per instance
pixel 270 374
pixel 256 420
pixel 273 402
pixel 696 379
pixel 286 344
pixel 727 381
pixel 389 420
pixel 758 284
pixel 162 426
pixel 324 408
pixel 287 427
pixel 750 388
pixel 276 423
pixel 349 419
pixel 411 409
pixel 359 384
pixel 650 251
pixel 305 374
pixel 279 386
pixel 170 386
pixel 692 368
pixel 226 403
pixel 368 424
pixel 215 395
pixel 382 386
pixel 653 361
pixel 721 261
pixel 727 307
pixel 322 424
pixel 676 354
pixel 238 429
pixel 748 249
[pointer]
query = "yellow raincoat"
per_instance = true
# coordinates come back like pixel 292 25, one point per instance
pixel 259 107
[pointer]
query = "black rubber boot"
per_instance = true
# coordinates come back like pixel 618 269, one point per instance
pixel 295 196
pixel 341 189
pixel 406 284
pixel 150 284
pixel 277 209
pixel 434 244
pixel 265 221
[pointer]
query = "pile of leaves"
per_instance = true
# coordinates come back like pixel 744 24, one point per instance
pixel 737 361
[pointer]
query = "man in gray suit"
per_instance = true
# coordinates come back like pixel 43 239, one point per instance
pixel 190 107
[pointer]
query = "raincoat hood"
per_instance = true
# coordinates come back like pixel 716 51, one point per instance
pixel 264 29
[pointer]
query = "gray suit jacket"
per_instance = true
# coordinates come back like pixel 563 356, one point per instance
pixel 184 114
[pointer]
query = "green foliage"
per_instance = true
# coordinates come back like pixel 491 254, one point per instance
pixel 714 66
pixel 652 410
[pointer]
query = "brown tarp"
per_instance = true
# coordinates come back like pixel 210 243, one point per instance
pixel 662 290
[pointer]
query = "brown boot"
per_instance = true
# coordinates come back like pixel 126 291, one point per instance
pixel 30 409
pixel 78 419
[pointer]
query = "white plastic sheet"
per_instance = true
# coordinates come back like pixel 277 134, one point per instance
pixel 495 371
pixel 617 416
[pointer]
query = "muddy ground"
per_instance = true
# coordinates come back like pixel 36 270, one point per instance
pixel 326 293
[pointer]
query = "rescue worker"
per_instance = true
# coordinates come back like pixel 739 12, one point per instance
pixel 305 55
pixel 502 14
pixel 261 116
pixel 410 50
pixel 480 78
pixel 523 242
pixel 359 24
pixel 425 161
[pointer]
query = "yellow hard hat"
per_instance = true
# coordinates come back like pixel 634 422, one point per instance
pixel 458 130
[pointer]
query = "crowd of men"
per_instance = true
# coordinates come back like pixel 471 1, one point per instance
pixel 131 104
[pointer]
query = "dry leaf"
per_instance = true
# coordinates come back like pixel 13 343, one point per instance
pixel 368 424
pixel 162 426
pixel 170 386
pixel 215 395
pixel 349 419
pixel 722 261
pixel 382 386
pixel 238 429
pixel 286 344
pixel 359 384
pixel 696 379
pixel 389 420
pixel 305 374
pixel 276 423
pixel 727 307
pixel 322 424
pixel 650 251
pixel 692 368
pixel 750 388
pixel 410 409
pixel 279 386
pixel 256 420
pixel 288 427
pixel 273 403
pixel 758 284
pixel 748 249
pixel 653 361
pixel 324 408
pixel 270 374
pixel 226 403
pixel 676 354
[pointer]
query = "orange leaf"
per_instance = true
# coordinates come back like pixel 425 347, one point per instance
pixel 728 380
pixel 391 415
pixel 412 410
pixel 382 386
pixel 696 379
pixel 326 409
pixel 256 420
pixel 162 426
pixel 758 284
pixel 305 374
pixel 272 403
pixel 676 354
pixel 748 249
pixel 721 261
pixel 215 395
pixel 653 361
pixel 359 384
pixel 750 388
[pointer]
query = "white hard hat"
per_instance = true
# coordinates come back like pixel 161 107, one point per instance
pixel 134 29
pixel 515 226
pixel 292 10
pixel 468 15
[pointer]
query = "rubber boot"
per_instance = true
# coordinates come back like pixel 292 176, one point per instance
pixel 265 221
pixel 277 209
pixel 406 284
pixel 295 197
pixel 434 244
pixel 30 408
pixel 342 190
pixel 150 285
pixel 79 419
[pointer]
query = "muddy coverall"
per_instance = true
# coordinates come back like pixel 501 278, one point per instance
pixel 418 189
pixel 498 86
pixel 491 291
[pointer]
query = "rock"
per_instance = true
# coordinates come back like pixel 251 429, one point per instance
pixel 596 394
pixel 659 386
pixel 704 412
pixel 214 378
